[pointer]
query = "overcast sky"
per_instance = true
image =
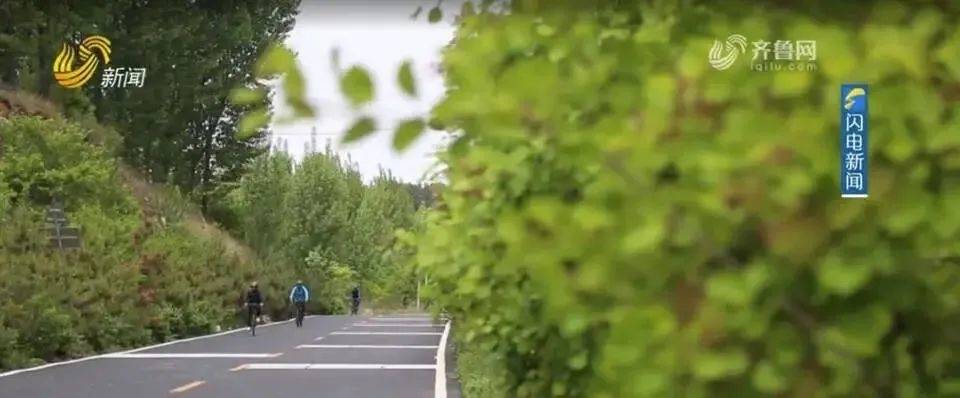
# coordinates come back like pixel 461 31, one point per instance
pixel 378 34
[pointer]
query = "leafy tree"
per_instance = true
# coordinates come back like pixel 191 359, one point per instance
pixel 179 127
pixel 422 194
pixel 318 219
pixel 317 211
pixel 260 197
pixel 190 141
pixel 386 206
pixel 31 35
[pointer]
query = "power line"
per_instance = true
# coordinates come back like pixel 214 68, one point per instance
pixel 337 133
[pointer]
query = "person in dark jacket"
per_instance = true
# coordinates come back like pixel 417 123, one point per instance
pixel 254 302
pixel 355 295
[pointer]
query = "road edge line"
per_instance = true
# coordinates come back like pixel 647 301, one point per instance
pixel 440 381
pixel 107 354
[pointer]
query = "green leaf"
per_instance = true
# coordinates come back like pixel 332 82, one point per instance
pixel 435 124
pixel 360 129
pixel 407 132
pixel 730 288
pixel 357 86
pixel 247 96
pixel 768 379
pixel 251 123
pixel 948 55
pixel 406 80
pixel 276 60
pixel 842 276
pixel 720 364
pixel 545 30
pixel 559 388
pixel 294 87
pixel 643 238
pixel 435 15
pixel 858 332
pixel 578 361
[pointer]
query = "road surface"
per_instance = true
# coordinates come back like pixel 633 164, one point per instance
pixel 330 357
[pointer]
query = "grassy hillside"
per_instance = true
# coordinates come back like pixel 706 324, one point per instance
pixel 151 268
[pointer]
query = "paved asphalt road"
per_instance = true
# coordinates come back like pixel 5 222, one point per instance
pixel 318 360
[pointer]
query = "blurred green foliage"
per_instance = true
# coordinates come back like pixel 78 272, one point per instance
pixel 360 128
pixel 276 61
pixel 357 86
pixel 407 131
pixel 653 227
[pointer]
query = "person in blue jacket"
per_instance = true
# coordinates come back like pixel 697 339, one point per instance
pixel 299 296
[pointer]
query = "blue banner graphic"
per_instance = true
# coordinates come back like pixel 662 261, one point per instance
pixel 853 140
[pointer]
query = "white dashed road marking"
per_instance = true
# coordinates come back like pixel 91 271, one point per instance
pixel 190 355
pixel 431 347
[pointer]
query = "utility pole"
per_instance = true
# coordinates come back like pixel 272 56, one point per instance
pixel 425 279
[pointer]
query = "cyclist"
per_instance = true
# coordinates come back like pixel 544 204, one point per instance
pixel 299 296
pixel 356 300
pixel 254 302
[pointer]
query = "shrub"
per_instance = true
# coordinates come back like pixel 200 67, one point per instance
pixel 113 332
pixel 5 195
pixel 167 322
pixel 330 283
pixel 47 158
pixel 49 332
pixel 11 353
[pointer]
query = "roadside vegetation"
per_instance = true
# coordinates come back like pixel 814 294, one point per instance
pixel 141 276
pixel 176 214
pixel 151 268
pixel 318 220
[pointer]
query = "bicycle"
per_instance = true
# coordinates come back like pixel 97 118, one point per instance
pixel 301 312
pixel 355 307
pixel 251 320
